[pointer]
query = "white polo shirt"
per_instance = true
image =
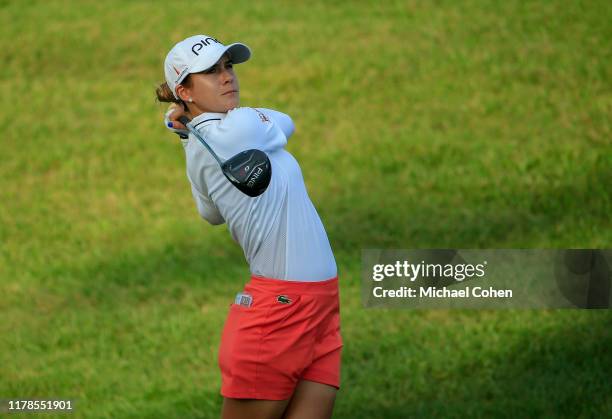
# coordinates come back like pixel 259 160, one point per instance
pixel 279 231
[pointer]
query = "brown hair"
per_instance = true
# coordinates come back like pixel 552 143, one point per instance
pixel 164 94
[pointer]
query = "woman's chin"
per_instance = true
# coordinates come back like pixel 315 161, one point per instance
pixel 231 106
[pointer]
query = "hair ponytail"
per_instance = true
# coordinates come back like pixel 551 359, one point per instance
pixel 164 94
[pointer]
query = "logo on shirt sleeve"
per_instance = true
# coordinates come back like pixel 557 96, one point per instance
pixel 263 117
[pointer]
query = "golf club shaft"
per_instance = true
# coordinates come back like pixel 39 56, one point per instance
pixel 185 121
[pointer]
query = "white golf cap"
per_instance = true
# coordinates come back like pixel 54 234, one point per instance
pixel 198 53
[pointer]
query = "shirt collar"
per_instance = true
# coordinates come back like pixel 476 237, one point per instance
pixel 207 118
pixel 203 120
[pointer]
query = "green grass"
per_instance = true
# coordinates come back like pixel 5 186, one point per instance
pixel 471 124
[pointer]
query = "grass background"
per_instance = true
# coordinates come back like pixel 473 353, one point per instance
pixel 473 124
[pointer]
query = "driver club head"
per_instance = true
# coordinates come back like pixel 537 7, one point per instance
pixel 250 171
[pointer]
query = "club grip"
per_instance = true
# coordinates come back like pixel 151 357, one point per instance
pixel 184 120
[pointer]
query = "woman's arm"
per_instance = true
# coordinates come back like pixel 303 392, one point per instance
pixel 207 208
pixel 284 121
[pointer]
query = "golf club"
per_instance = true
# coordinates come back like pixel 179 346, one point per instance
pixel 250 171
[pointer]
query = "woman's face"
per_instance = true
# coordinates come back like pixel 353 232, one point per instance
pixel 213 90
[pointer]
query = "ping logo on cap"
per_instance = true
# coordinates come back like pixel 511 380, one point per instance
pixel 199 45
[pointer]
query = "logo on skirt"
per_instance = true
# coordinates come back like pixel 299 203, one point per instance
pixel 283 299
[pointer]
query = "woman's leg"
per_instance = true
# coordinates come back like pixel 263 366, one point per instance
pixel 253 408
pixel 311 401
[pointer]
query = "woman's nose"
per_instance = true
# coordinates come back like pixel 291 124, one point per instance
pixel 227 75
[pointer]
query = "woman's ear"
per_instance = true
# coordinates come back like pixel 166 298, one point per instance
pixel 183 93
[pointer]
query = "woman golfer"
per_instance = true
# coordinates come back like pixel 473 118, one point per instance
pixel 280 348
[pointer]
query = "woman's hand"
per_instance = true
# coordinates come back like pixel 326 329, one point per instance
pixel 171 121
